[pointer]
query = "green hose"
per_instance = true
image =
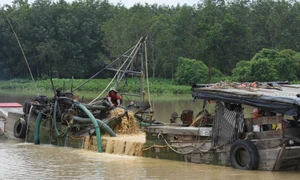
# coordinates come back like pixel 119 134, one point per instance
pixel 90 115
pixel 100 123
pixel 54 118
pixel 143 124
pixel 75 103
pixel 37 129
pixel 107 128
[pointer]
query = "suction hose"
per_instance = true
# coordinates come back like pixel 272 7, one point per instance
pixel 90 115
pixel 101 124
pixel 37 129
pixel 54 117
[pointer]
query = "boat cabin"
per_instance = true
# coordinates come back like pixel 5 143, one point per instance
pixel 251 127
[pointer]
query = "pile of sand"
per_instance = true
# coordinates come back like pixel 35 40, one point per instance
pixel 128 125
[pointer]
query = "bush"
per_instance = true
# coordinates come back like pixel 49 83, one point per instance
pixel 191 71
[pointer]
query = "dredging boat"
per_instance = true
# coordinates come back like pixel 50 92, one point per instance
pixel 225 136
pixel 65 120
pixel 267 141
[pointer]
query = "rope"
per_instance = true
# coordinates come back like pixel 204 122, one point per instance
pixel 154 146
pixel 133 51
pixel 3 116
pixel 196 120
pixel 76 138
pixel 22 52
pixel 92 102
pixel 51 130
pixel 28 122
pixel 100 71
pixel 147 77
pixel 197 148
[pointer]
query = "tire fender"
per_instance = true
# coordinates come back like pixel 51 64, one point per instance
pixel 238 160
pixel 20 128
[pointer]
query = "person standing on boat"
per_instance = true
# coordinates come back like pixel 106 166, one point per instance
pixel 114 99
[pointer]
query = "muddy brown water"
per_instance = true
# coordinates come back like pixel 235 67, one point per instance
pixel 20 160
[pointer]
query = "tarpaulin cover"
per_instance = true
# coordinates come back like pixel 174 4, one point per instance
pixel 288 105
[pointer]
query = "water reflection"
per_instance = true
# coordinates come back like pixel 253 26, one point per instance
pixel 28 161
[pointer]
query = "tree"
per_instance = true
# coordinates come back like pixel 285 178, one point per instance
pixel 191 71
pixel 285 65
pixel 263 70
pixel 242 71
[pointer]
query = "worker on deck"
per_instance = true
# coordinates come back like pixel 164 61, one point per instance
pixel 114 99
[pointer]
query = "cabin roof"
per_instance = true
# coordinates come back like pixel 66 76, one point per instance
pixel 280 98
pixel 9 104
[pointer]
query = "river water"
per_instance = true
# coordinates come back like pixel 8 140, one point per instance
pixel 20 160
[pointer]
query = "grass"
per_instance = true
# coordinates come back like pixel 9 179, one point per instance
pixel 157 86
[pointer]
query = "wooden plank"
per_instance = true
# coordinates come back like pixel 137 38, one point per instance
pixel 264 120
pixel 267 143
pixel 270 120
pixel 268 134
pixel 279 158
pixel 249 124
pixel 179 130
pixel 268 158
pixel 292 152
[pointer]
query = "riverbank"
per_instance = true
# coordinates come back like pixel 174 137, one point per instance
pixel 157 85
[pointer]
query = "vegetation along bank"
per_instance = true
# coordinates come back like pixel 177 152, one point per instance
pixel 209 42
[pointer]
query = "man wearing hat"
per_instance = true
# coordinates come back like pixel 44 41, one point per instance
pixel 114 99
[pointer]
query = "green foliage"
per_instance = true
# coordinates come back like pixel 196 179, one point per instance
pixel 296 58
pixel 268 65
pixel 242 71
pixel 285 65
pixel 132 85
pixel 266 53
pixel 218 76
pixel 64 40
pixel 191 71
pixel 263 70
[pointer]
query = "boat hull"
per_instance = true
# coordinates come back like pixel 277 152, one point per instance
pixel 186 144
pixel 168 141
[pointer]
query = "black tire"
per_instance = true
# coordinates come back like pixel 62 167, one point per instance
pixel 20 128
pixel 244 155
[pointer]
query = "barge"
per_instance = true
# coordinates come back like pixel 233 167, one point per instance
pixel 267 141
